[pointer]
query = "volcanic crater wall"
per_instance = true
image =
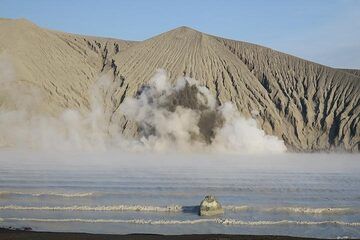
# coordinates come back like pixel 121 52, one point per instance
pixel 310 106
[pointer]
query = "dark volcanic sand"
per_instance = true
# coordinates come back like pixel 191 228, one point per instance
pixel 6 234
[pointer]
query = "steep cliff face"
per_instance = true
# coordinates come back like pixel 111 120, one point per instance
pixel 318 106
pixel 309 106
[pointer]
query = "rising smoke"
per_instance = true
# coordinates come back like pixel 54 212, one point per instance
pixel 185 116
pixel 180 117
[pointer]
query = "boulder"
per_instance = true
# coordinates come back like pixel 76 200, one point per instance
pixel 210 207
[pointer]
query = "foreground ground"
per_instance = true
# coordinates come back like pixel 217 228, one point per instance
pixel 6 234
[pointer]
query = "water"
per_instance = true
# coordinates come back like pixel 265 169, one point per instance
pixel 312 195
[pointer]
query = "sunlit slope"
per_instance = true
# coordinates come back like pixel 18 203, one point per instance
pixel 319 106
pixel 309 106
pixel 61 66
pixel 352 71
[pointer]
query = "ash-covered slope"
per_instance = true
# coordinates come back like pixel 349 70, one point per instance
pixel 309 106
pixel 318 105
pixel 352 71
pixel 61 66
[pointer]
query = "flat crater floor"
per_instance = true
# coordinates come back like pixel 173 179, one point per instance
pixel 305 195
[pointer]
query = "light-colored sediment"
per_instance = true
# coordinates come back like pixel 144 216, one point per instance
pixel 308 105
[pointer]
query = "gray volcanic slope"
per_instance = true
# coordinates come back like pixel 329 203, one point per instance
pixel 308 105
pixel 353 71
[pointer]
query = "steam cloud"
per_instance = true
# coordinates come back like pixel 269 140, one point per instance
pixel 187 117
pixel 182 117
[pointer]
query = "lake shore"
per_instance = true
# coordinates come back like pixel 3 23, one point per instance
pixel 17 234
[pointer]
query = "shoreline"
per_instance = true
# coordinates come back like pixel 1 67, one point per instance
pixel 20 234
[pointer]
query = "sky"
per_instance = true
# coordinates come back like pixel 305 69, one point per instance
pixel 323 31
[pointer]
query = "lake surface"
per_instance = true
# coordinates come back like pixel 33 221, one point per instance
pixel 312 195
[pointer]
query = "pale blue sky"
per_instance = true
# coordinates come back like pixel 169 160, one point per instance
pixel 324 31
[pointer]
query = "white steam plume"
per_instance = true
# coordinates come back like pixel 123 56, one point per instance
pixel 186 117
pixel 182 117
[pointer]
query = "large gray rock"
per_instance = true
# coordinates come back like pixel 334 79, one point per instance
pixel 210 207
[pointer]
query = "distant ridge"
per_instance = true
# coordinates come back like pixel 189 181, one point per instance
pixel 353 71
pixel 310 106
